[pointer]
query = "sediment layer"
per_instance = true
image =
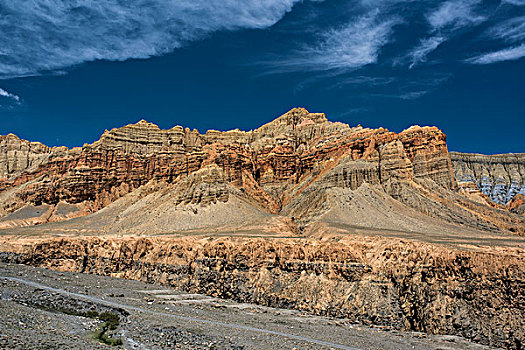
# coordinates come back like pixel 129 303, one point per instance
pixel 294 168
pixel 389 282
pixel 500 176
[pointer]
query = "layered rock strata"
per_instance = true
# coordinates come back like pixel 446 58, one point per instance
pixel 304 184
pixel 18 155
pixel 385 282
pixel 283 151
pixel 500 176
pixel 297 156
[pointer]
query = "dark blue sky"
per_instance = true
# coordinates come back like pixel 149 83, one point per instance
pixel 67 72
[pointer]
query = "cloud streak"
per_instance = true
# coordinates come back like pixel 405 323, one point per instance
pixel 412 95
pixel 47 35
pixel 508 54
pixel 7 94
pixel 511 30
pixel 351 46
pixel 515 2
pixel 444 21
pixel 455 14
pixel 426 46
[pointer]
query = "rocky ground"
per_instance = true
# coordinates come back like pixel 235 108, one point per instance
pixel 45 309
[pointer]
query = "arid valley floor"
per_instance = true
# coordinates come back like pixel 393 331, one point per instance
pixel 38 309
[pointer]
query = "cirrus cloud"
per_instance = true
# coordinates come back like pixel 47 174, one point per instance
pixel 353 45
pixel 515 2
pixel 444 21
pixel 455 14
pixel 419 53
pixel 7 94
pixel 508 54
pixel 511 30
pixel 47 35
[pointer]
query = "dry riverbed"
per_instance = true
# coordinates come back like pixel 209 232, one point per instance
pixel 45 309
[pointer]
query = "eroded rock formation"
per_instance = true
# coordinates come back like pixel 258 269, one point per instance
pixel 500 176
pixel 298 200
pixel 398 284
pixel 297 157
pixel 18 155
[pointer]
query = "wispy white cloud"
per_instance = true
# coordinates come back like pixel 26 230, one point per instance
pixel 360 81
pixel 7 94
pixel 414 88
pixel 354 45
pixel 51 35
pixel 413 95
pixel 455 14
pixel 444 21
pixel 43 35
pixel 508 54
pixel 511 30
pixel 515 2
pixel 367 80
pixel 419 53
pixel 352 111
pixel 383 3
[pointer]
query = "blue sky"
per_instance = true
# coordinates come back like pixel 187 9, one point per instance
pixel 69 70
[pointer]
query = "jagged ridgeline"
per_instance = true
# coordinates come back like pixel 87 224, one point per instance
pixel 501 177
pixel 292 175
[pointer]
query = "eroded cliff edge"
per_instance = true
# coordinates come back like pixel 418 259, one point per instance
pixel 500 177
pixel 293 198
pixel 394 283
pixel 299 167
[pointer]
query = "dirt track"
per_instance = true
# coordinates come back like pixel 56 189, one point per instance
pixel 156 317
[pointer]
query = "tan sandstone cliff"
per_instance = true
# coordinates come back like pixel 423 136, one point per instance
pixel 391 283
pixel 302 213
pixel 500 176
pixel 288 168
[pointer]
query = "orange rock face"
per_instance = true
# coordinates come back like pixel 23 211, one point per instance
pixel 517 204
pixel 386 282
pixel 284 151
pixel 303 213
pixel 269 167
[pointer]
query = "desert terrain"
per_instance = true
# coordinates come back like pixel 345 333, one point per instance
pixel 303 233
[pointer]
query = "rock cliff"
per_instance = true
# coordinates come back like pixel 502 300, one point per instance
pixel 500 176
pixel 383 282
pixel 286 168
pixel 18 155
pixel 303 213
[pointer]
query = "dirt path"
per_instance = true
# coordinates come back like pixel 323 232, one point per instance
pixel 180 317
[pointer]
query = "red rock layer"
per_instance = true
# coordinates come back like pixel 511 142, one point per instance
pixel 271 165
pixel 284 151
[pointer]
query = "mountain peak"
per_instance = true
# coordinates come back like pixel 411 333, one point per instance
pixel 290 166
pixel 297 116
pixel 144 122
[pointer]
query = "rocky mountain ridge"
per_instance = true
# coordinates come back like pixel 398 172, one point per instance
pixel 304 213
pixel 285 170
pixel 499 176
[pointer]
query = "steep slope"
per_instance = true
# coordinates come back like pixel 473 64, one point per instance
pixel 500 176
pixel 294 171
pixel 18 155
pixel 392 283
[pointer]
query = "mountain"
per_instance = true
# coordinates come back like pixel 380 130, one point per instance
pixel 336 220
pixel 500 176
pixel 298 174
